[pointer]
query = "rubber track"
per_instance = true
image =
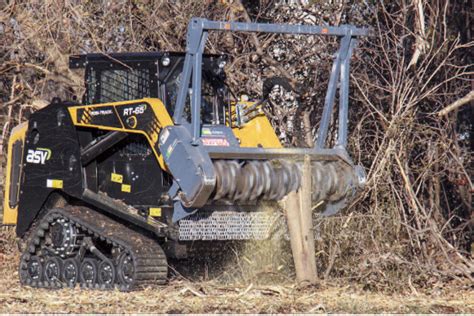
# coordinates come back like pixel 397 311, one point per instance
pixel 150 261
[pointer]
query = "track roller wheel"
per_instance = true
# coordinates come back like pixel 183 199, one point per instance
pixel 88 272
pixel 70 272
pixel 107 274
pixel 52 270
pixel 126 273
pixel 31 270
pixel 35 270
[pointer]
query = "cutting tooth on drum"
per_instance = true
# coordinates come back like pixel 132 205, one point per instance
pixel 255 180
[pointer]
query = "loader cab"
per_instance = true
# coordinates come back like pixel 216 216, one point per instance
pixel 214 93
pixel 129 76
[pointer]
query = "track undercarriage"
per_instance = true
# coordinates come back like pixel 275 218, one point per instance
pixel 77 245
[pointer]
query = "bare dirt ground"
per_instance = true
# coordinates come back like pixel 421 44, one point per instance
pixel 184 296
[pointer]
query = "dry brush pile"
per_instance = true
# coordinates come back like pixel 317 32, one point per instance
pixel 412 224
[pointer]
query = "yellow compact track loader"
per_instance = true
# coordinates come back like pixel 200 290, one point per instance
pixel 158 156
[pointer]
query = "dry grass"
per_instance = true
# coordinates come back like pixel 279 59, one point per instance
pixel 184 296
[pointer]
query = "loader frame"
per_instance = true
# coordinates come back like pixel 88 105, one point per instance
pixel 198 30
pixel 120 182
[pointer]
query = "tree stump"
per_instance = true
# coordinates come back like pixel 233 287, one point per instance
pixel 300 226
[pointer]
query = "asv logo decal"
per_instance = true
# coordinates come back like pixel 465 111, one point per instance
pixel 38 156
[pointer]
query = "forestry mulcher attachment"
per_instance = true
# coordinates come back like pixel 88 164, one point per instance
pixel 158 156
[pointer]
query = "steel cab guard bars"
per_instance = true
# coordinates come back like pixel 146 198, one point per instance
pixel 198 29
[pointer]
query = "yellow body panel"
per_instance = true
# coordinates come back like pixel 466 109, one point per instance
pixel 159 110
pixel 258 132
pixel 10 214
